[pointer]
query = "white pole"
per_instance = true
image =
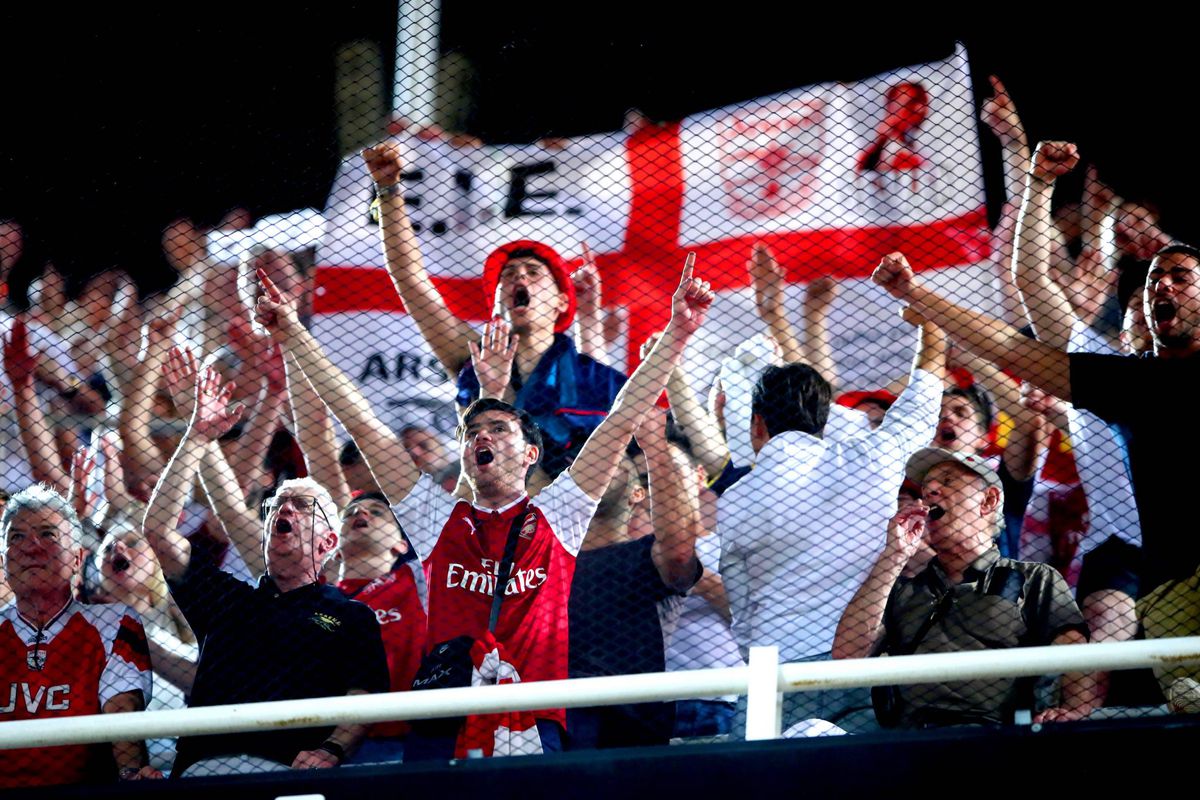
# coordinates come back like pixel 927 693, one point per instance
pixel 812 676
pixel 764 703
pixel 414 91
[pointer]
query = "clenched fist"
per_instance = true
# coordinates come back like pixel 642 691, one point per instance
pixel 385 163
pixel 1053 159
pixel 895 275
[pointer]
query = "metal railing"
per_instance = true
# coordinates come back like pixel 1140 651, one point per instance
pixel 764 680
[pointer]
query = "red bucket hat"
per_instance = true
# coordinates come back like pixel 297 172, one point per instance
pixel 562 275
pixel 854 399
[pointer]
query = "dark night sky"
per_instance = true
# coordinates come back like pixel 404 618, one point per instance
pixel 117 121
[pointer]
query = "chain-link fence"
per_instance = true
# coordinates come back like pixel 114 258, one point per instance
pixel 627 402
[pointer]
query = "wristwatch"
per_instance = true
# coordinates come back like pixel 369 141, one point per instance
pixel 128 773
pixel 334 749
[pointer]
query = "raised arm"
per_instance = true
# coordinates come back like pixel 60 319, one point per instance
pixel 674 505
pixel 601 454
pixel 83 464
pixel 123 339
pixel 210 421
pixel 1029 431
pixel 1000 115
pixel 446 334
pixel 768 280
pixel 228 502
pixel 693 418
pixel 209 418
pixel 315 434
pixel 263 367
pixel 493 360
pixel 137 414
pixel 933 344
pixel 861 626
pixel 116 491
pixel 381 448
pixel 219 480
pixel 589 313
pixel 818 299
pixel 1094 276
pixel 1044 366
pixel 20 364
pixel 1046 306
pixel 161 523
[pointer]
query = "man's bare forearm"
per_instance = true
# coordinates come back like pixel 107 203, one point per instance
pixel 1042 365
pixel 1045 305
pixel 380 446
pixel 708 445
pixel 446 334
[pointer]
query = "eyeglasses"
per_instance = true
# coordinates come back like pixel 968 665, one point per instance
pixel 301 502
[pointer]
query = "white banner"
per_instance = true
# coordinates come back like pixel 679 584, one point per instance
pixel 831 177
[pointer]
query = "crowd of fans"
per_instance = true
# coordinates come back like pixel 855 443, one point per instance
pixel 197 500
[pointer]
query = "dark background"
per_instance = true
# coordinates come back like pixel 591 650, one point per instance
pixel 116 121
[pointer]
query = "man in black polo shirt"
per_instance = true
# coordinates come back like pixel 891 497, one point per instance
pixel 1147 397
pixel 288 638
pixel 967 598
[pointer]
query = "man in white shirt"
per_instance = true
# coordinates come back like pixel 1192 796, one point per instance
pixel 800 532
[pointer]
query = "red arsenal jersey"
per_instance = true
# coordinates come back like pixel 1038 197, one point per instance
pixel 397 605
pixel 71 667
pixel 461 546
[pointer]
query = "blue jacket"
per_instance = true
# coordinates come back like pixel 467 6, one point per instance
pixel 568 394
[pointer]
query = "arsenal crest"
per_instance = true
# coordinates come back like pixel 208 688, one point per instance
pixel 770 157
pixel 530 526
pixel 35 658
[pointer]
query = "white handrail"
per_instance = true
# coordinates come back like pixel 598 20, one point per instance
pixel 809 676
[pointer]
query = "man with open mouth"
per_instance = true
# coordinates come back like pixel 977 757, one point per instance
pixel 379 570
pixel 286 638
pixel 529 286
pixel 967 598
pixel 60 658
pixel 461 538
pixel 964 426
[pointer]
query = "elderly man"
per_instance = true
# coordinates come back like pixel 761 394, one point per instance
pixel 58 657
pixel 967 598
pixel 799 532
pixel 290 637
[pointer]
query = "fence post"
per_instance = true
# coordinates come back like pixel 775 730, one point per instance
pixel 764 703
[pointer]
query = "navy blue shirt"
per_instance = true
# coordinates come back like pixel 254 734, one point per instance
pixel 568 394
pixel 616 630
pixel 259 644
